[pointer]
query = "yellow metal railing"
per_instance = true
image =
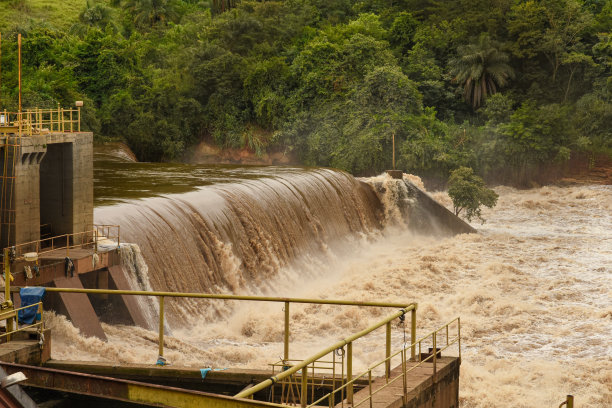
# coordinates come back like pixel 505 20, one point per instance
pixel 10 315
pixel 432 357
pixel 299 376
pixel 67 241
pixel 47 245
pixel 287 301
pixel 39 121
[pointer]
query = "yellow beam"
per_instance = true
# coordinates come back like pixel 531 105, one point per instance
pixel 409 306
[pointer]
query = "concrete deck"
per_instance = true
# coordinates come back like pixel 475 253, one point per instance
pixel 25 349
pixel 423 391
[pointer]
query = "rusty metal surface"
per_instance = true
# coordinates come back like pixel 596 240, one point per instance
pixel 7 401
pixel 123 390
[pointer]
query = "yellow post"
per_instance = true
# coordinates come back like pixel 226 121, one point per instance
pixel 286 354
pixel 19 74
pixel 70 120
pixel 459 336
pixel 412 333
pixel 388 352
pixel 79 118
pixel 7 290
pixel 7 275
pixel 161 326
pixel 0 68
pixel 304 392
pixel 435 356
pixel 370 386
pixel 349 372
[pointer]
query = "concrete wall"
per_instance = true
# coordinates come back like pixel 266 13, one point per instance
pixel 53 184
pixel 21 193
pixel 66 184
pixel 442 393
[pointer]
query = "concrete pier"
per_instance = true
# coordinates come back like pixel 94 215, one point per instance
pixel 48 183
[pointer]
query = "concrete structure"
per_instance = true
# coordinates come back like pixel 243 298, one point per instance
pixel 425 390
pixel 48 182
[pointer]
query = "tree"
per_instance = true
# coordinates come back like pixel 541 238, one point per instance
pixel 469 193
pixel 152 12
pixel 480 68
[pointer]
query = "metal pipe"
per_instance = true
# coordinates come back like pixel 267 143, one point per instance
pixel 404 307
pixel 304 391
pixel 388 352
pixel 459 336
pixel 161 326
pixel 404 370
pixel 7 290
pixel 19 74
pixel 435 355
pixel 413 332
pixel 286 345
pixel 346 342
pixel 349 373
pixel 370 385
pixel 7 275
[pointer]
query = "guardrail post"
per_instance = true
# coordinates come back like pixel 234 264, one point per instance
pixel 413 333
pixel 7 289
pixel 286 353
pixel 304 392
pixel 459 336
pixel 404 369
pixel 370 386
pixel 388 352
pixel 349 372
pixel 435 356
pixel 161 326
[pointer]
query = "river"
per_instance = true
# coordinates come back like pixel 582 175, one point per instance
pixel 533 287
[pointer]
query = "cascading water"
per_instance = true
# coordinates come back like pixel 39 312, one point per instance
pixel 237 237
pixel 532 288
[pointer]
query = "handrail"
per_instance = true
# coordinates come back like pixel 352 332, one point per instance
pixel 13 315
pixel 405 370
pixel 287 301
pixel 229 297
pixel 340 344
pixel 312 361
pixel 90 237
pixel 38 121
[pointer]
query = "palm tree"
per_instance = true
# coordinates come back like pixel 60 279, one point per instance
pixel 481 68
pixel 151 12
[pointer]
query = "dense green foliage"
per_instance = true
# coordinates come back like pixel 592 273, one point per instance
pixel 469 193
pixel 502 87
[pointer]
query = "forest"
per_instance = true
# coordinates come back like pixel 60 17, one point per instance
pixel 505 87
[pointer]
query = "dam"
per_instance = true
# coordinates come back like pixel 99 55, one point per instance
pixel 270 220
pixel 274 233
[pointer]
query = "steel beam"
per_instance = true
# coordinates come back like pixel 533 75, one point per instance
pixel 125 390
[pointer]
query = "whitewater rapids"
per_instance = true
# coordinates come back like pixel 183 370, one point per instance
pixel 533 289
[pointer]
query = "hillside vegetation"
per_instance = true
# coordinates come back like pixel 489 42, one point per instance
pixel 503 87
